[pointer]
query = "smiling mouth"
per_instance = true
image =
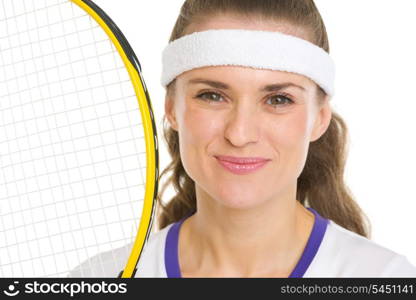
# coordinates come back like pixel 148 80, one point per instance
pixel 241 165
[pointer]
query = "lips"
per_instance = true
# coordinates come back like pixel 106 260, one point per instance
pixel 241 165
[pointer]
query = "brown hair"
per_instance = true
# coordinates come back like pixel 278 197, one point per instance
pixel 321 184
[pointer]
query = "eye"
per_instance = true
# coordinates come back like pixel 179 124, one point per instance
pixel 210 97
pixel 279 100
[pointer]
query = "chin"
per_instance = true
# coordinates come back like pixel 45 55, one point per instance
pixel 238 198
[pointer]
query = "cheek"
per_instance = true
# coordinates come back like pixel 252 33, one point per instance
pixel 292 130
pixel 198 126
pixel 197 129
pixel 289 138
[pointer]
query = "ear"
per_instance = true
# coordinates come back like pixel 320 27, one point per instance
pixel 170 112
pixel 322 120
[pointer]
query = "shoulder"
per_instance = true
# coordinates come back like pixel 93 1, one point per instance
pixel 344 253
pixel 105 264
pixel 111 263
pixel 152 260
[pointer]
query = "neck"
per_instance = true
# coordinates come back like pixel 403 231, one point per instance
pixel 266 240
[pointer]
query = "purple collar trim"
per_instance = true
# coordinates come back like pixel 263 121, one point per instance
pixel 171 250
pixel 311 248
pixel 314 241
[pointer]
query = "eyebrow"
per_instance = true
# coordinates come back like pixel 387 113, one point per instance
pixel 267 88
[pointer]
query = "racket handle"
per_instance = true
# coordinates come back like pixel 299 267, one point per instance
pixel 121 273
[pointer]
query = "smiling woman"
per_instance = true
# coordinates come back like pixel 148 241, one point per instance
pixel 258 153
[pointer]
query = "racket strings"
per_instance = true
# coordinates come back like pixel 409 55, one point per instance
pixel 90 135
pixel 71 148
pixel 81 166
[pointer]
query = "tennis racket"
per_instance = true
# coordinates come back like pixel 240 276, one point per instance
pixel 78 144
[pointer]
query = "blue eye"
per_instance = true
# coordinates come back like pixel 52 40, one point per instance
pixel 210 97
pixel 278 100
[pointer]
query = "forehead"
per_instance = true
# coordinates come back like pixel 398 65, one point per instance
pixel 243 77
pixel 232 21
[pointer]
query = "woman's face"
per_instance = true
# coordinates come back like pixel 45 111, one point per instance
pixel 244 133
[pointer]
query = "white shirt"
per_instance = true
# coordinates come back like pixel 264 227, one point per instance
pixel 331 251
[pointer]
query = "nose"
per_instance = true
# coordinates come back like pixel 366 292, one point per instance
pixel 242 125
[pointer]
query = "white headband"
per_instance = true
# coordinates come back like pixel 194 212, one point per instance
pixel 250 48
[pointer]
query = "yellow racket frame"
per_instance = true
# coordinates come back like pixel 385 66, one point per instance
pixel 151 144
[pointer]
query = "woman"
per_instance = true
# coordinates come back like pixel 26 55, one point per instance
pixel 258 155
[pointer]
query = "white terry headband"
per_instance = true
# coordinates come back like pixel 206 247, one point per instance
pixel 250 48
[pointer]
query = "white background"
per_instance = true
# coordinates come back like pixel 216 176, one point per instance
pixel 373 44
